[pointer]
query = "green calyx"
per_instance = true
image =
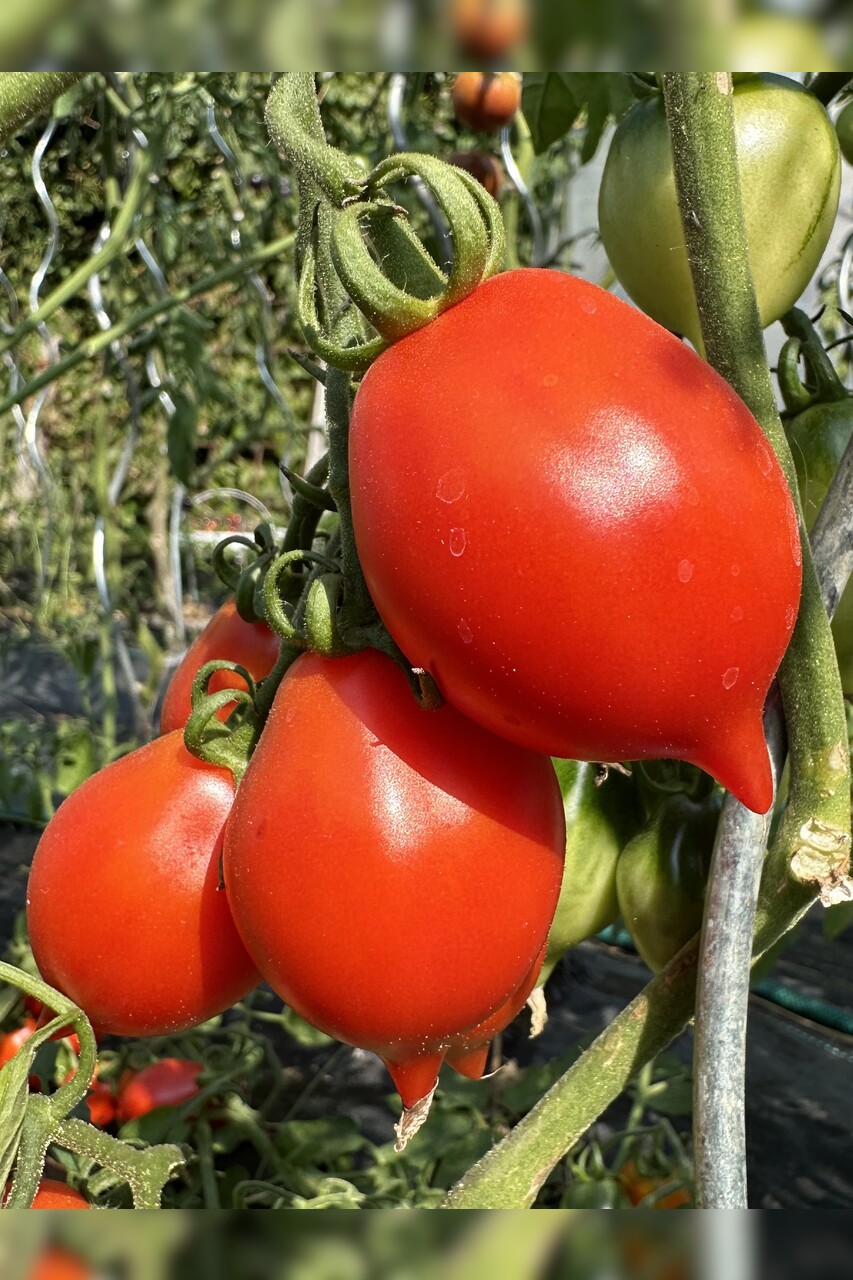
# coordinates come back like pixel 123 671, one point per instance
pixel 822 384
pixel 356 245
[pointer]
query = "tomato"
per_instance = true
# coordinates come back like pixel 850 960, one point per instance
pixel 253 644
pixel 844 130
pixel 639 1186
pixel 599 821
pixel 101 1102
pixel 488 29
pixel 11 1041
pixel 661 877
pixel 56 1264
pixel 486 100
pixel 412 890
pixel 52 1194
pixel 595 1193
pixel 483 166
pixel 166 1083
pixel 818 437
pixel 578 529
pixel 123 907
pixel 468 1053
pixel 790 180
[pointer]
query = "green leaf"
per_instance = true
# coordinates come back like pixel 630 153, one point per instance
pixel 549 105
pixel 553 101
pixel 181 438
pixel 76 757
pixel 319 1142
pixel 302 1031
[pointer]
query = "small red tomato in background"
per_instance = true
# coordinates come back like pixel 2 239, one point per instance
pixel 134 853
pixel 483 166
pixel 227 636
pixel 578 529
pixel 488 29
pixel 57 1264
pixel 11 1041
pixel 486 100
pixel 166 1083
pixel 415 883
pixel 52 1194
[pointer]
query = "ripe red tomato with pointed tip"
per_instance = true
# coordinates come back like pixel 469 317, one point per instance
pixel 412 890
pixel 578 529
pixel 227 636
pixel 166 1083
pixel 134 853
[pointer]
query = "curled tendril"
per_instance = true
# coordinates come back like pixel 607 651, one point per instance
pixel 279 612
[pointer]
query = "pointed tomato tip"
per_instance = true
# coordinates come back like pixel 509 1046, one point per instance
pixel 471 1064
pixel 739 760
pixel 416 1077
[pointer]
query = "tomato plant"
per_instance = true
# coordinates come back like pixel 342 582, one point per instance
pixel 229 637
pixel 537 480
pixel 790 181
pixel 486 100
pixel 414 887
pixel 134 855
pixel 166 1083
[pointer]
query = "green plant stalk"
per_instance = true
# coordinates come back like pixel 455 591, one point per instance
pixel 114 245
pixel 99 342
pixel 512 1173
pixel 701 121
pixel 24 94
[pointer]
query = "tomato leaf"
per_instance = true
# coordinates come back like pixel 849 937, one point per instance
pixel 553 101
pixel 181 437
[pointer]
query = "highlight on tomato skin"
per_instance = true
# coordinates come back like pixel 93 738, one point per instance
pixel 228 637
pixel 135 852
pixel 405 908
pixel 595 551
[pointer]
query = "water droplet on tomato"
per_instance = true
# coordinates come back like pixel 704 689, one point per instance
pixel 451 486
pixel 735 570
pixel 737 613
pixel 458 541
pixel 587 305
pixel 465 631
pixel 550 380
pixel 730 677
pixel 685 570
pixel 790 617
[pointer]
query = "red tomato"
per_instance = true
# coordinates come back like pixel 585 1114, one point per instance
pixel 253 644
pixel 134 855
pixel 574 524
pixel 483 166
pixel 52 1194
pixel 470 1052
pixel 486 100
pixel 11 1041
pixel 56 1264
pixel 166 1083
pixel 418 874
pixel 488 29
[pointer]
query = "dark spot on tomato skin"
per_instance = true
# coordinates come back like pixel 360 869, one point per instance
pixel 261 828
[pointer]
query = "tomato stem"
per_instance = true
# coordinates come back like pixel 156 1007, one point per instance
pixel 701 120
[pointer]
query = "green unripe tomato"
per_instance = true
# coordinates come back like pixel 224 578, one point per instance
pixel 844 129
pixel 818 437
pixel 790 177
pixel 599 822
pixel 661 877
